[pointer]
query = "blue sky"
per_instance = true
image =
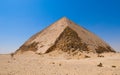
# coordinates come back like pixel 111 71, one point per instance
pixel 20 19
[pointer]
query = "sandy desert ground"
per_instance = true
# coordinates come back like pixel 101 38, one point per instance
pixel 32 64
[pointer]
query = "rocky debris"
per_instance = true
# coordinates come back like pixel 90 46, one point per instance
pixel 100 55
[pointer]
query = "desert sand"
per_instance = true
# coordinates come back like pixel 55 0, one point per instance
pixel 30 63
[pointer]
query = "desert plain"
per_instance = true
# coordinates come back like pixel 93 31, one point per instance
pixel 30 63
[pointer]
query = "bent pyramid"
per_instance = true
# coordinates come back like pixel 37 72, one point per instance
pixel 65 35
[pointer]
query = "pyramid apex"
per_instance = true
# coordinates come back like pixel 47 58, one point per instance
pixel 64 21
pixel 64 18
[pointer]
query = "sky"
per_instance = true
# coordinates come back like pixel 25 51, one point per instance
pixel 20 19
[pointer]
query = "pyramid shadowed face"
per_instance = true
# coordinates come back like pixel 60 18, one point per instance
pixel 66 36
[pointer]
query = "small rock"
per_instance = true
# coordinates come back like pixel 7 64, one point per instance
pixel 12 54
pixel 100 65
pixel 60 64
pixel 87 56
pixel 8 61
pixel 113 66
pixel 53 62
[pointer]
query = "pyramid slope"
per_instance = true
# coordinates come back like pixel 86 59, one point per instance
pixel 50 39
pixel 94 43
pixel 44 39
